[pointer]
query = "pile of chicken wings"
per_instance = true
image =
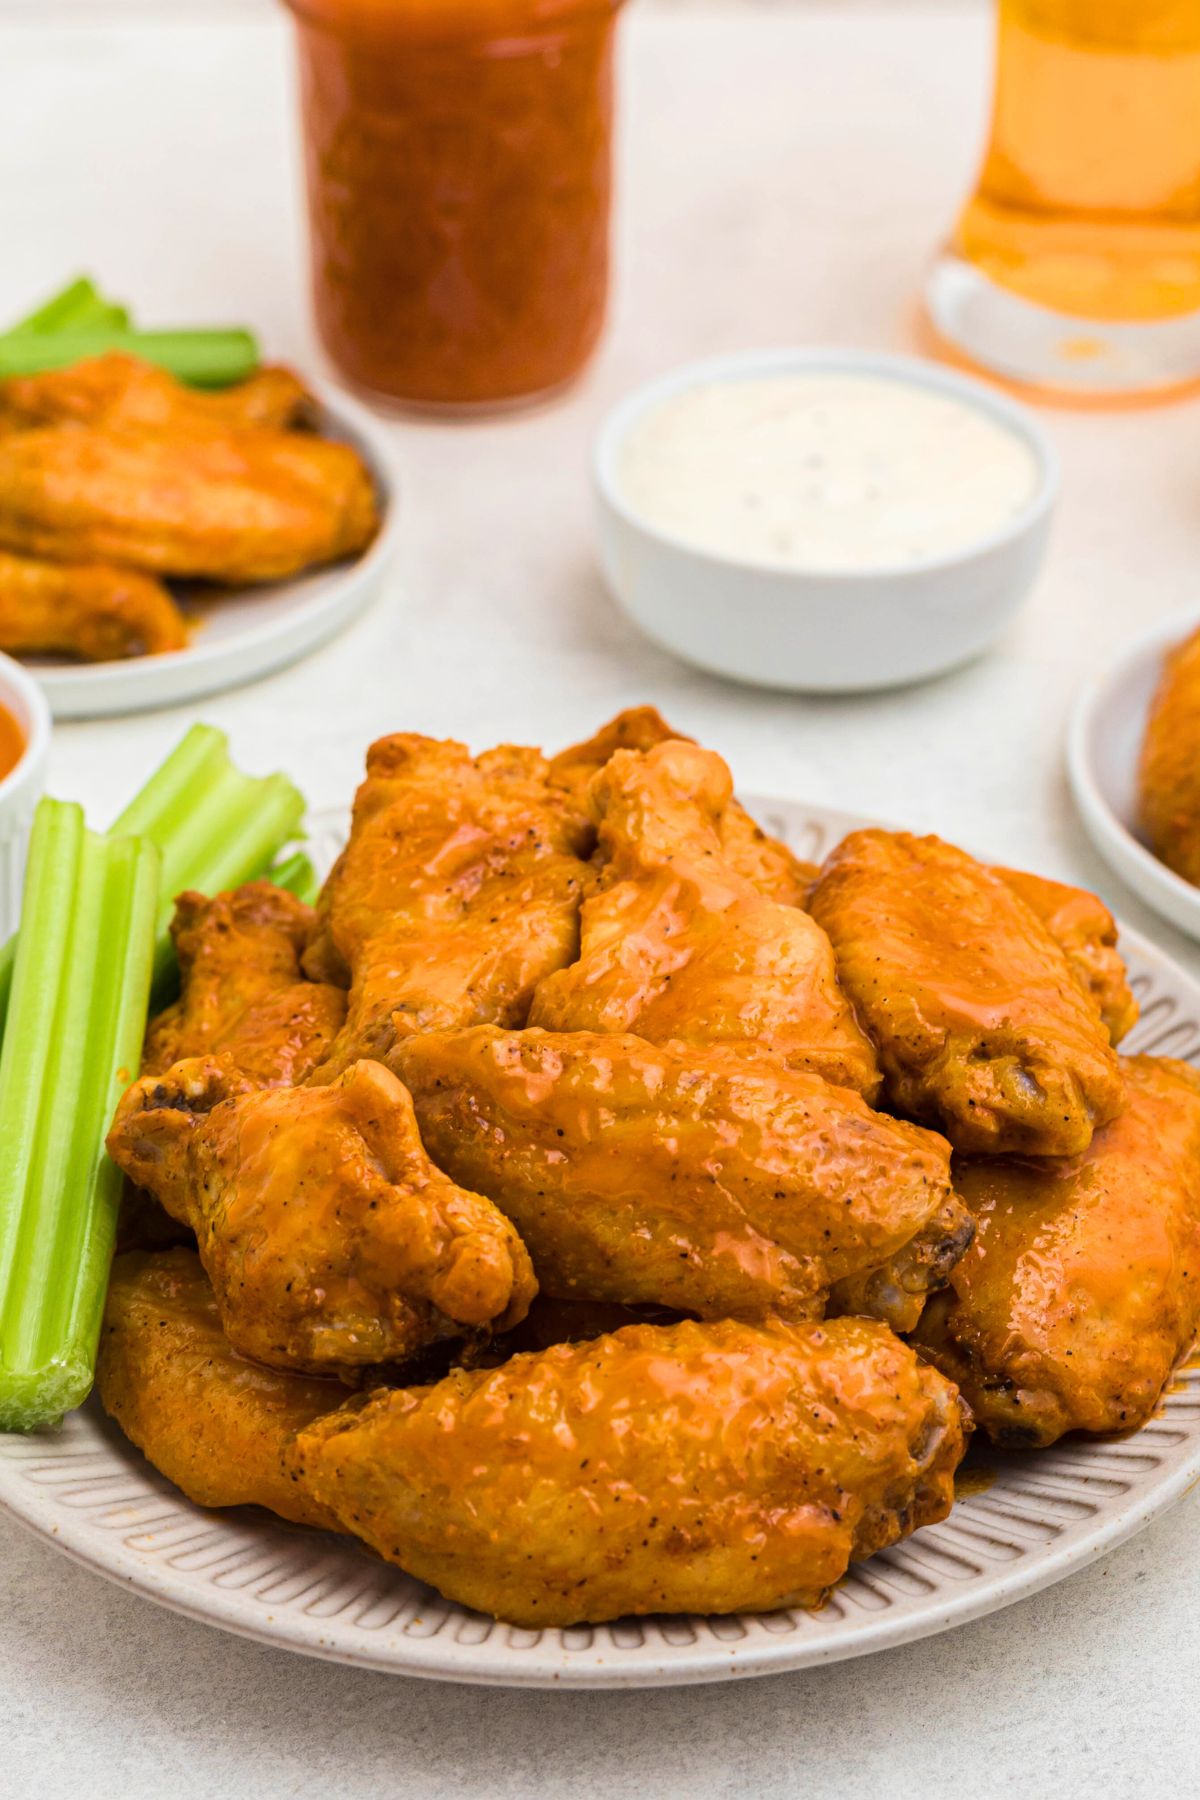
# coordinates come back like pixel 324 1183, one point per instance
pixel 115 478
pixel 597 1211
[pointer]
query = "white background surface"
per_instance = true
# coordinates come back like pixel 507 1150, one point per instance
pixel 785 179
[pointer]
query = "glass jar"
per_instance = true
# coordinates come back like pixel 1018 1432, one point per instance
pixel 458 160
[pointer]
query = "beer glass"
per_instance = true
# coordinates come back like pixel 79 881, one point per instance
pixel 1075 264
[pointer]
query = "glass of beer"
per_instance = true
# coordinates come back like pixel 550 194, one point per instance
pixel 1075 264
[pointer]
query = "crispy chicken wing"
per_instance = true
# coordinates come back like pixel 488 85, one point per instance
pixel 1082 1288
pixel 981 1028
pixel 679 947
pixel 761 859
pixel 330 1239
pixel 117 389
pixel 86 610
pixel 457 893
pixel 210 1421
pixel 1082 926
pixel 693 1178
pixel 1169 772
pixel 243 990
pixel 227 505
pixel 689 1468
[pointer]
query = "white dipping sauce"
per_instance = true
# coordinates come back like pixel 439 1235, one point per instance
pixel 825 471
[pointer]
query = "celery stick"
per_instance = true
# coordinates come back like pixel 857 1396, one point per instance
pixel 79 1000
pixel 77 305
pixel 206 358
pixel 297 875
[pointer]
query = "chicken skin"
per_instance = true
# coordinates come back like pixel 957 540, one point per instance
pixel 331 1241
pixel 680 948
pixel 1084 929
pixel 688 1468
pixel 208 1420
pixel 1082 1288
pixel 1169 771
pixel 118 389
pixel 981 1029
pixel 698 1179
pixel 224 505
pixel 85 610
pixel 760 859
pixel 243 990
pixel 458 892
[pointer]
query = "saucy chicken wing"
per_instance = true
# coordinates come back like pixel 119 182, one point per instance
pixel 117 389
pixel 86 610
pixel 226 505
pixel 1084 929
pixel 680 948
pixel 243 990
pixel 1082 1288
pixel 698 1179
pixel 1169 772
pixel 688 1468
pixel 458 891
pixel 761 859
pixel 980 1026
pixel 210 1421
pixel 331 1241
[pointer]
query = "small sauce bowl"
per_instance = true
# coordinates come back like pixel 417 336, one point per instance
pixel 820 630
pixel 21 788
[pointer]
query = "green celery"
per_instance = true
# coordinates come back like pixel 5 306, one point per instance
pixel 297 875
pixel 214 826
pixel 80 991
pixel 206 358
pixel 75 306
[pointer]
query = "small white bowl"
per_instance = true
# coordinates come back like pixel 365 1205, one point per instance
pixel 1104 742
pixel 819 631
pixel 22 787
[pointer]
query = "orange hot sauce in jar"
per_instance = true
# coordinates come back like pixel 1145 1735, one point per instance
pixel 458 159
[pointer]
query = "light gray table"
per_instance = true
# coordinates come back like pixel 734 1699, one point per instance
pixel 784 179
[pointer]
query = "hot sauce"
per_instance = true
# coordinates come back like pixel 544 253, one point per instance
pixel 12 742
pixel 459 174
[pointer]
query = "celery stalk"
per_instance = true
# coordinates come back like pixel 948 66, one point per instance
pixel 75 306
pixel 206 358
pixel 297 875
pixel 214 826
pixel 80 991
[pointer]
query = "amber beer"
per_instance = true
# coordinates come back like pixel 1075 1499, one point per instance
pixel 1088 203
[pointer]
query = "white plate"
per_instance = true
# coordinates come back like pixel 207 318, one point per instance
pixel 246 632
pixel 88 1492
pixel 1104 743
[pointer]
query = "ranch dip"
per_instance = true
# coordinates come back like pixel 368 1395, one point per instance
pixel 825 471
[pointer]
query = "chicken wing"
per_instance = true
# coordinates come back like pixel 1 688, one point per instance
pixel 117 389
pixel 85 610
pixel 208 1420
pixel 680 948
pixel 1084 929
pixel 688 1468
pixel 243 990
pixel 1082 1288
pixel 330 1239
pixel 1169 771
pixel 692 1178
pixel 227 505
pixel 981 1029
pixel 458 891
pixel 760 858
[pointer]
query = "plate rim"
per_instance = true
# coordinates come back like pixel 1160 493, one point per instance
pixel 608 1667
pixel 147 683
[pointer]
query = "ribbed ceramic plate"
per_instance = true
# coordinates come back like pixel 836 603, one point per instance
pixel 246 633
pixel 1037 1518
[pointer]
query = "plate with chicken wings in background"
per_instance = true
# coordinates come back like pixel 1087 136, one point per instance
pixel 624 1236
pixel 159 542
